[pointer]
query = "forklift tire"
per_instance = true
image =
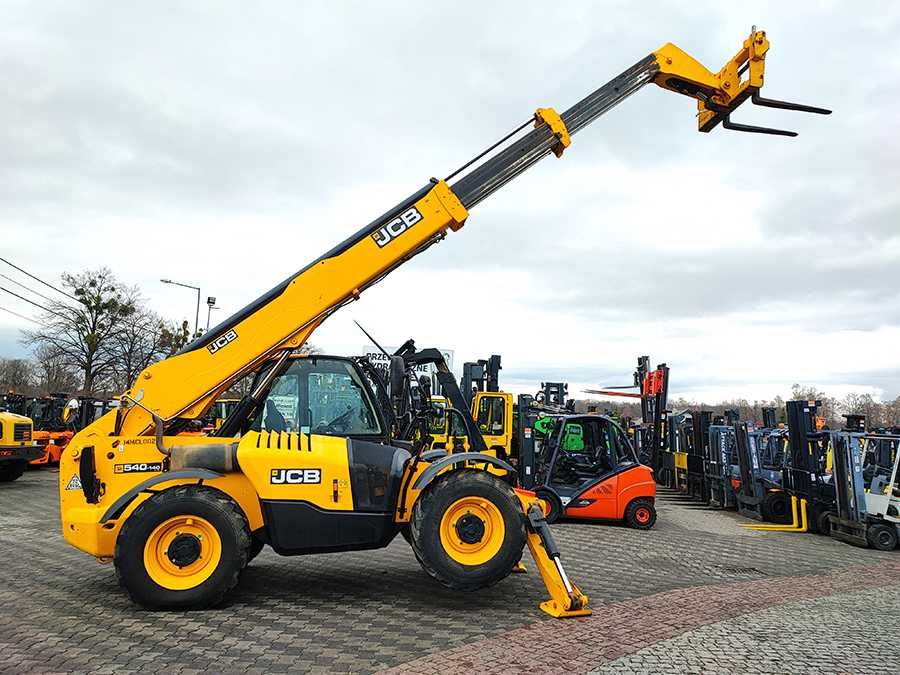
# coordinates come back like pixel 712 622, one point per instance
pixel 10 471
pixel 556 507
pixel 882 537
pixel 467 530
pixel 640 514
pixel 776 508
pixel 183 548
pixel 823 522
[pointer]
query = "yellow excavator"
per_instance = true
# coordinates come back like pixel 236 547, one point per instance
pixel 304 462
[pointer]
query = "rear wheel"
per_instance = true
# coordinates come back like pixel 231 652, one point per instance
pixel 556 507
pixel 10 471
pixel 467 530
pixel 183 548
pixel 640 514
pixel 882 536
pixel 776 508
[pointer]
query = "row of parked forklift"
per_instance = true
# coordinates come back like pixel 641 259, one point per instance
pixel 795 475
pixel 36 429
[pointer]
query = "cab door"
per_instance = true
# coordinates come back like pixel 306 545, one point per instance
pixel 493 415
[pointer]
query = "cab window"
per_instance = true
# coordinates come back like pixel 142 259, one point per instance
pixel 491 410
pixel 320 396
pixel 438 422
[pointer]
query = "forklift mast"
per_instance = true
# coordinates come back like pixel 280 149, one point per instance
pixel 654 388
pixel 769 420
pixel 480 375
pixel 855 423
pixel 458 405
pixel 555 393
pixel 806 451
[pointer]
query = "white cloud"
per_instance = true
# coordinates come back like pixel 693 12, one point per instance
pixel 228 147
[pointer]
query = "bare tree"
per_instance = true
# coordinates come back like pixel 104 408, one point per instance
pixel 53 373
pixel 82 334
pixel 144 338
pixel 17 375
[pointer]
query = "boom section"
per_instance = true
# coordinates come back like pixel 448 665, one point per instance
pixel 183 385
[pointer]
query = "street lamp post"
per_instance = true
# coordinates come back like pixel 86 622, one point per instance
pixel 196 288
pixel 211 305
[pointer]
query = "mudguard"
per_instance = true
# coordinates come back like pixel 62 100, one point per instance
pixel 457 458
pixel 116 508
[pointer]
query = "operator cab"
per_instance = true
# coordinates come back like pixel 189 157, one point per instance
pixel 581 451
pixel 312 394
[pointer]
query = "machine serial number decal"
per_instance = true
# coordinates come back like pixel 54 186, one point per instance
pixel 222 341
pixel 138 467
pixel 387 233
pixel 296 476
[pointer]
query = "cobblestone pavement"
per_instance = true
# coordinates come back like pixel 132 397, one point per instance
pixel 652 593
pixel 851 633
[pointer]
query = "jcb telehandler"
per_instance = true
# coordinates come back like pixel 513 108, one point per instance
pixel 178 514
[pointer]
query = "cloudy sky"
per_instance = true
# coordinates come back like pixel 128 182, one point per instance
pixel 228 144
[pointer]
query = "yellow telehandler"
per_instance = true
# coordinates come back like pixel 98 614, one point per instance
pixel 303 463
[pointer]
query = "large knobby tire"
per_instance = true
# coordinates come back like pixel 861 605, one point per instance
pixel 556 507
pixel 776 508
pixel 10 471
pixel 882 536
pixel 640 514
pixel 183 548
pixel 467 530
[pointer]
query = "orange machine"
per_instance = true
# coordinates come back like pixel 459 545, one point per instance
pixel 584 466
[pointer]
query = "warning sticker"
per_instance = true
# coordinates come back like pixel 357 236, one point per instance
pixel 74 483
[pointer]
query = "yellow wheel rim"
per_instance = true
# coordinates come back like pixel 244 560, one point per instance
pixel 472 530
pixel 182 552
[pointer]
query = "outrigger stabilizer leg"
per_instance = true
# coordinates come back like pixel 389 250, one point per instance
pixel 799 522
pixel 566 600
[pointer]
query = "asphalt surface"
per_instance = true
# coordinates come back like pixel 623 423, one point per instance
pixel 695 594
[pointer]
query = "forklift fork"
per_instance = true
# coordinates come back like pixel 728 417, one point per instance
pixel 799 521
pixel 566 600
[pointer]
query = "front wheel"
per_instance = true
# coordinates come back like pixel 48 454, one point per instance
pixel 776 508
pixel 467 530
pixel 556 507
pixel 183 548
pixel 10 471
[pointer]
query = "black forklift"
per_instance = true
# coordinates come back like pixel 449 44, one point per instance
pixel 698 455
pixel 806 474
pixel 722 472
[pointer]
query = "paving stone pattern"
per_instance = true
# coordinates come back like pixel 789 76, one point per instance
pixel 60 611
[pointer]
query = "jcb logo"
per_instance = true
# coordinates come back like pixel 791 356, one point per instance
pixel 221 341
pixel 386 234
pixel 296 476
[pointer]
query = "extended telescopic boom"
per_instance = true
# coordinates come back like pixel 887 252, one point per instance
pixel 184 385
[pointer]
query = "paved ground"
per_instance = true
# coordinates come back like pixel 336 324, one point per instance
pixel 697 593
